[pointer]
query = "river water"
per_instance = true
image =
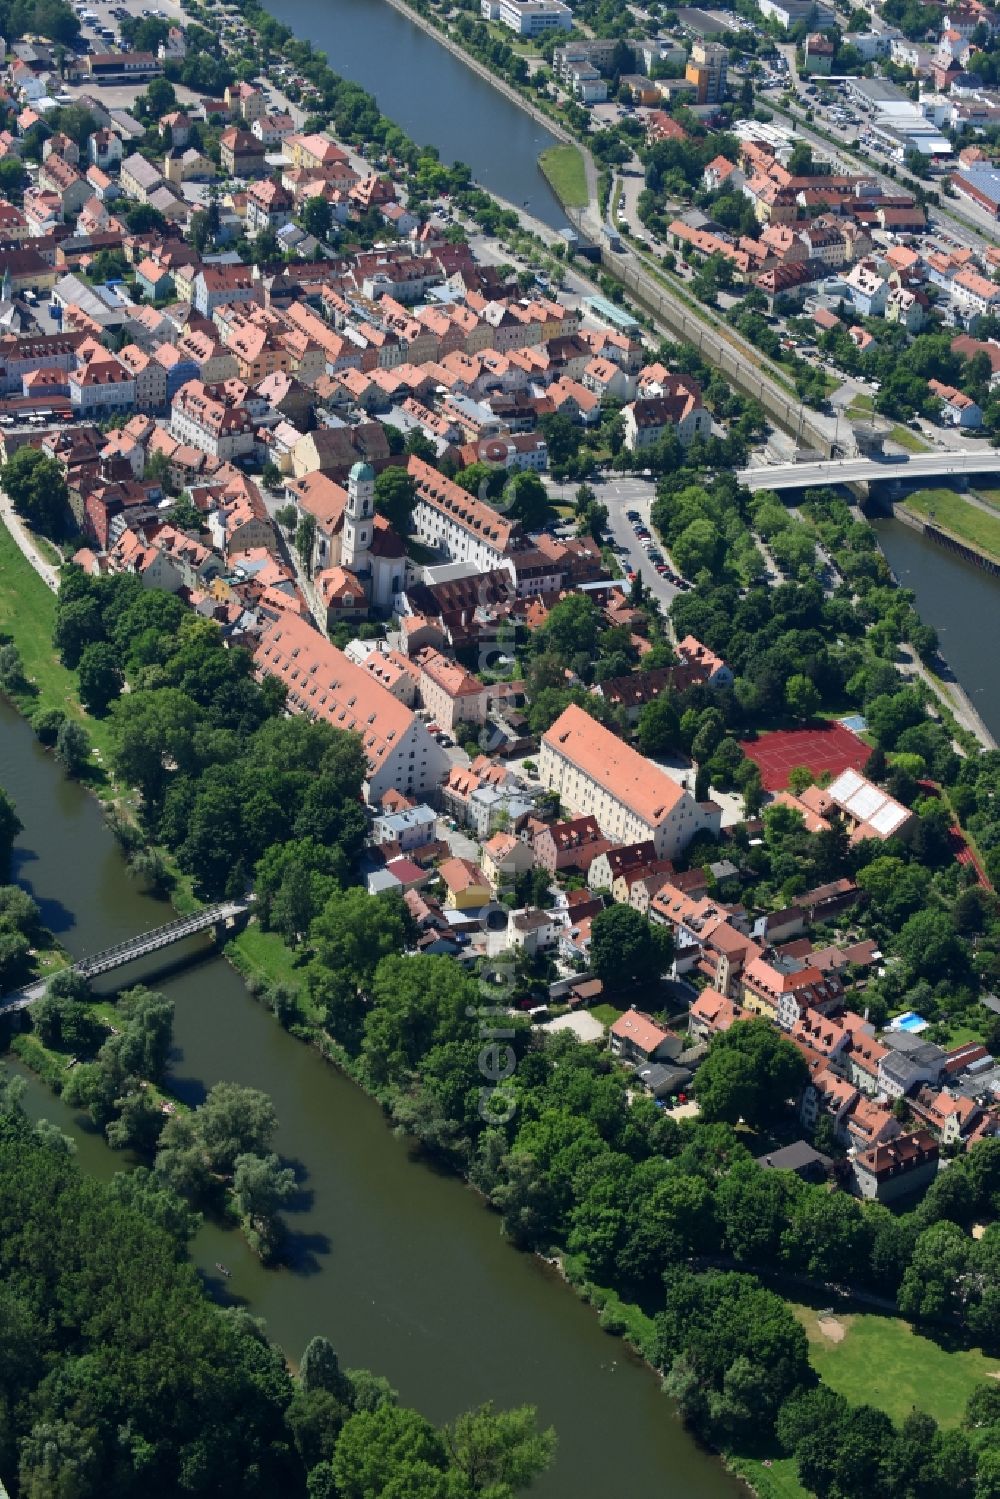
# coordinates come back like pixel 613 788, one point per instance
pixel 962 603
pixel 402 1268
pixel 428 92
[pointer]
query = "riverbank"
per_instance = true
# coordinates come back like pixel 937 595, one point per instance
pixel 27 618
pixel 517 96
pixel 401 1268
pixel 971 523
pixel 565 169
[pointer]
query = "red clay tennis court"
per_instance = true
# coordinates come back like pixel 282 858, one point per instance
pixel 832 748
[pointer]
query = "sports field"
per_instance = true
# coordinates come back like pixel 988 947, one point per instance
pixel 831 748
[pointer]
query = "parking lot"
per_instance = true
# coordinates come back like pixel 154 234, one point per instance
pixel 621 494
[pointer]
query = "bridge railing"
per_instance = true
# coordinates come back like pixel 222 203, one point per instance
pixel 160 936
pixel 135 947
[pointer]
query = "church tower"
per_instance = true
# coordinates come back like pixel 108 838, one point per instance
pixel 359 518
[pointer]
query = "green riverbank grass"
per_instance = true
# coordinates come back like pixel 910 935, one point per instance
pixel 266 957
pixel 904 438
pixel 27 617
pixel 882 1361
pixel 563 167
pixel 944 507
pixel 773 1479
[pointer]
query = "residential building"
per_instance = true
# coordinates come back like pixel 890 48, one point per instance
pixel 706 70
pixel 532 930
pixel 411 828
pixel 139 178
pixel 100 387
pixel 636 1037
pixel 269 206
pixel 571 844
pixel 504 857
pixel 467 887
pixel 957 409
pixel 975 291
pixel 241 154
pixel 901 1168
pixel 869 290
pixel 783 988
pixel 204 417
pixel 817 54
pixel 679 409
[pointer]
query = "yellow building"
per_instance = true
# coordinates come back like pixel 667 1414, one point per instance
pixel 466 885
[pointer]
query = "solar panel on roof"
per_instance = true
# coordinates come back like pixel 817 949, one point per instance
pixel 845 785
pixel 888 818
pixel 866 801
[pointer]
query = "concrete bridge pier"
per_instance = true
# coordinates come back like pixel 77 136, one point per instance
pixel 228 926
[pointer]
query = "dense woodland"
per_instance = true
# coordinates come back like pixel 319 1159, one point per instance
pixel 233 789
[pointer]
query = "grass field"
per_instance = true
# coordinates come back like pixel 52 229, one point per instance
pixel 263 955
pixel 990 496
pixel 882 1361
pixel 774 1479
pixel 27 614
pixel 952 511
pixel 563 166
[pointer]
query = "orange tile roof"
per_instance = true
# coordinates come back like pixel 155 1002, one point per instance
pixel 324 683
pixel 608 760
pixel 638 1028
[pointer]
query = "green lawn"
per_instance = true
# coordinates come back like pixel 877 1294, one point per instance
pixel 945 508
pixel 773 1479
pixel 27 614
pixel 882 1361
pixel 606 1014
pixel 263 955
pixel 564 168
pixel 861 405
pixel 908 440
pixel 990 497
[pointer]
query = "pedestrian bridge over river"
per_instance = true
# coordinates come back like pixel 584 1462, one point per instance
pixel 219 918
pixel 906 467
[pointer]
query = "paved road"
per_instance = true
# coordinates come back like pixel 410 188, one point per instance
pixel 950 691
pixel 26 544
pixel 863 470
pixel 621 494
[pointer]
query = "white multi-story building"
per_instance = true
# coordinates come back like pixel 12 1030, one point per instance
pixel 101 386
pixel 529 17
pixel 201 419
pixel 450 520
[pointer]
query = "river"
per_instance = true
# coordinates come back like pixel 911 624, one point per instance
pixel 428 92
pixel 962 603
pixel 401 1267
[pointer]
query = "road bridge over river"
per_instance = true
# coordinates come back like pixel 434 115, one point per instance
pixel 218 918
pixel 907 467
